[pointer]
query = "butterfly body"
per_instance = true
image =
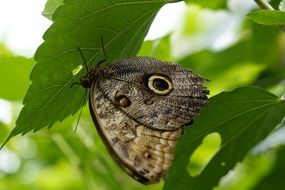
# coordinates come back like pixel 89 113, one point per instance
pixel 139 106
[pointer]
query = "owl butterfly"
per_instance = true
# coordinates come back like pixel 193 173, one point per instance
pixel 140 106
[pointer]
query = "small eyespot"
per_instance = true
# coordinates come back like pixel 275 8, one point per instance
pixel 147 155
pixel 160 84
pixel 123 101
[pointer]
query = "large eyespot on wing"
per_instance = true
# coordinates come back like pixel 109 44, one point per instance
pixel 160 84
pixel 144 153
pixel 162 95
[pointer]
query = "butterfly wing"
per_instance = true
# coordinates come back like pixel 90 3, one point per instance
pixel 139 106
pixel 144 153
pixel 167 111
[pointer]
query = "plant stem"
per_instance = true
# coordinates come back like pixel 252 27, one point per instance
pixel 265 5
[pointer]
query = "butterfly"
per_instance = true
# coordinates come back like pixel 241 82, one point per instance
pixel 140 106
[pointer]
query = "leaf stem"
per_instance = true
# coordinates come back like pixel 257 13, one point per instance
pixel 265 5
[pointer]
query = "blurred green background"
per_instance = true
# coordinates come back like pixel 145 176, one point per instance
pixel 221 45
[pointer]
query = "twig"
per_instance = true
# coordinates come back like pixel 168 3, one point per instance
pixel 264 4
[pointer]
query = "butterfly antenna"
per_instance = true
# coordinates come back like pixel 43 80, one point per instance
pixel 104 52
pixel 103 47
pixel 85 64
pixel 80 113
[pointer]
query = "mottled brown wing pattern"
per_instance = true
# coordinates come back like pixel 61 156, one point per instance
pixel 145 153
pixel 167 112
pixel 140 106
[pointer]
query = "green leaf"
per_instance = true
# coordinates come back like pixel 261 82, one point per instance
pixel 14 79
pixel 275 4
pixel 4 51
pixel 159 48
pixel 268 17
pixel 50 7
pixel 3 130
pixel 242 118
pixel 275 179
pixel 80 23
pixel 218 4
pixel 221 66
pixel 236 75
pixel 282 6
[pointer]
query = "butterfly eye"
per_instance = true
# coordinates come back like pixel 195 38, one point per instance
pixel 160 84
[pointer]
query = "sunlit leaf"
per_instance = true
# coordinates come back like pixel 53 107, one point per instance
pixel 242 118
pixel 80 23
pixel 3 130
pixel 4 51
pixel 268 17
pixel 230 66
pixel 50 7
pixel 282 6
pixel 14 79
pixel 246 173
pixel 159 49
pixel 218 4
pixel 275 179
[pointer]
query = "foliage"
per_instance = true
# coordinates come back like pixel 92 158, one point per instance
pixel 219 4
pixel 50 97
pixel 50 7
pixel 281 6
pixel 268 17
pixel 274 179
pixel 14 67
pixel 217 151
pixel 242 118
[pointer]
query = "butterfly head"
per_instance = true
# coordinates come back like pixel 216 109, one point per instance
pixel 92 76
pixel 86 82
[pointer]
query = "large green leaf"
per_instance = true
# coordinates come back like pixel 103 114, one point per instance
pixel 80 23
pixel 242 118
